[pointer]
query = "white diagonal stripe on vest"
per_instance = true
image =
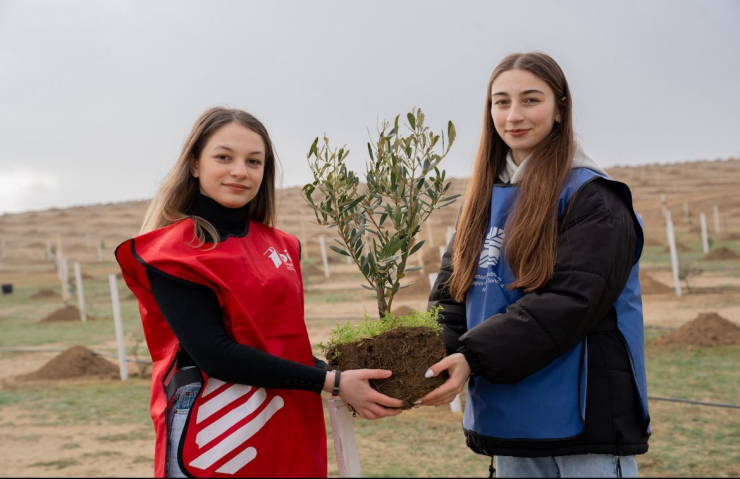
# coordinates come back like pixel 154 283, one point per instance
pixel 219 427
pixel 212 385
pixel 238 437
pixel 219 402
pixel 239 461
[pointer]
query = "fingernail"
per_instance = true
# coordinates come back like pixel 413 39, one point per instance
pixel 429 373
pixel 417 402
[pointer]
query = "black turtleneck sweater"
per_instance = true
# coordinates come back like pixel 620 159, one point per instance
pixel 195 317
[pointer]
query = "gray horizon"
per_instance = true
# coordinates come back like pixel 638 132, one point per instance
pixel 96 98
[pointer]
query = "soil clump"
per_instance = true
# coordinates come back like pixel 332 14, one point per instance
pixel 652 242
pixel 408 352
pixel 419 288
pixel 720 254
pixel 648 285
pixel 45 294
pixel 706 330
pixel 680 248
pixel 67 313
pixel 76 362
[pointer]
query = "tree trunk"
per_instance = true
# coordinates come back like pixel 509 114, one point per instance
pixel 382 305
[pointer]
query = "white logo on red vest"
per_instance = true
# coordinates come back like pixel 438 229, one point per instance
pixel 226 445
pixel 279 259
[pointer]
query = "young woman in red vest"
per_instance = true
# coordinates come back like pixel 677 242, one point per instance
pixel 235 387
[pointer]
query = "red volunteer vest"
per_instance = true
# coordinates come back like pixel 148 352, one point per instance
pixel 233 430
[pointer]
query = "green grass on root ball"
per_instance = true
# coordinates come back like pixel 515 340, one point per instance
pixel 349 333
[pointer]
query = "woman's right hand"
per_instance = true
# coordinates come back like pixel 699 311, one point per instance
pixel 355 390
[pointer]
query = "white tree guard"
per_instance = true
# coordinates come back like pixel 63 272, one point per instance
pixel 343 433
pixel 674 253
pixel 118 325
pixel 80 292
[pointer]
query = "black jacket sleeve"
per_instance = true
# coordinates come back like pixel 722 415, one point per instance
pixel 195 317
pixel 452 315
pixel 595 255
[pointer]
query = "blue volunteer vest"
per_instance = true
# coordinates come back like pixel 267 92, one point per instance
pixel 550 403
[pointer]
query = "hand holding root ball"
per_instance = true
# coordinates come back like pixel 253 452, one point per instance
pixel 459 370
pixel 355 390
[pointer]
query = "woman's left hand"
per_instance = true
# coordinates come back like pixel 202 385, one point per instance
pixel 459 370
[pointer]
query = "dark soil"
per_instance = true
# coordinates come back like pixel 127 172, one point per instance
pixel 720 254
pixel 732 237
pixel 648 285
pixel 76 362
pixel 680 248
pixel 432 260
pixel 67 313
pixel 45 294
pixel 652 242
pixel 419 288
pixel 408 352
pixel 706 330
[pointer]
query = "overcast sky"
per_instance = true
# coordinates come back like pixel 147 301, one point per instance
pixel 96 97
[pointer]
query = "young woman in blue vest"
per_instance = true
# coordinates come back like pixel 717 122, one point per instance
pixel 235 387
pixel 540 293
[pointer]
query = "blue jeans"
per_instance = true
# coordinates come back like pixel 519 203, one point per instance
pixel 182 401
pixel 584 465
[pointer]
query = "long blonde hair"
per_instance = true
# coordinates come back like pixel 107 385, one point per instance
pixel 179 188
pixel 532 230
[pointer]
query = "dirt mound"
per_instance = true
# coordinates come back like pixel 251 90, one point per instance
pixel 680 247
pixel 707 329
pixel 652 242
pixel 648 285
pixel 431 255
pixel 76 362
pixel 45 294
pixel 403 311
pixel 720 254
pixel 419 288
pixel 67 313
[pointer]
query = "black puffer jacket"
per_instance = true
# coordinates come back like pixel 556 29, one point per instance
pixel 595 255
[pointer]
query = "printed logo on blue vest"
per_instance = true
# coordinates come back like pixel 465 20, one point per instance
pixel 491 248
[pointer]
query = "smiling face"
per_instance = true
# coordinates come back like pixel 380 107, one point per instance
pixel 523 110
pixel 231 165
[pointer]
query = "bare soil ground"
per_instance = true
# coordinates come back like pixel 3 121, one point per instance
pixel 63 440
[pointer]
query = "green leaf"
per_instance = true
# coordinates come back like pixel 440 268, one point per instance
pixel 412 121
pixel 451 133
pixel 367 287
pixel 313 149
pixel 353 203
pixel 415 268
pixel 416 247
pixel 338 250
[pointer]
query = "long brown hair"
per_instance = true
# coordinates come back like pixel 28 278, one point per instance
pixel 179 189
pixel 532 229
